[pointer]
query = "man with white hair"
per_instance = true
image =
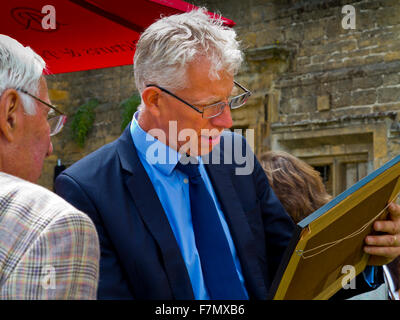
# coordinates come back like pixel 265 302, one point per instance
pixel 180 212
pixel 48 249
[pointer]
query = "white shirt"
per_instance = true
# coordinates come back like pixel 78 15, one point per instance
pixel 390 283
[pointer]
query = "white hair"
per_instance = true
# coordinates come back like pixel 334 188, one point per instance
pixel 20 68
pixel 168 45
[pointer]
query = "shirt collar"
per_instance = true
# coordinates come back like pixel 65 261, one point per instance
pixel 155 155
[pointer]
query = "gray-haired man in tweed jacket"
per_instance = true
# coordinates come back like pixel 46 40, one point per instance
pixel 48 249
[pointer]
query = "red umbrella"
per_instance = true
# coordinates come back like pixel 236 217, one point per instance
pixel 87 34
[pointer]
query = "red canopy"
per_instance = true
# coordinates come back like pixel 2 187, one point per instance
pixel 89 34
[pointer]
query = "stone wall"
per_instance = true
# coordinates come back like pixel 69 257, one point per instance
pixel 69 91
pixel 324 93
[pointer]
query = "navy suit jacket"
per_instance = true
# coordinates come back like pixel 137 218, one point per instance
pixel 140 258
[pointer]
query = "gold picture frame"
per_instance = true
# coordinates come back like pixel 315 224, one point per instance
pixel 332 237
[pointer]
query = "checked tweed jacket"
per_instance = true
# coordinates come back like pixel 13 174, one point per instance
pixel 48 249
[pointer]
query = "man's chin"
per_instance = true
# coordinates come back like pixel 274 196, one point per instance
pixel 207 143
pixel 205 146
pixel 205 150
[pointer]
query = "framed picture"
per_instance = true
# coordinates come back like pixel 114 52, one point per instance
pixel 330 241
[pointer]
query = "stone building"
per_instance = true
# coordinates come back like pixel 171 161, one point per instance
pixel 324 93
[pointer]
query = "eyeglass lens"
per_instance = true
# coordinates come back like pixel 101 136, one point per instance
pixel 239 100
pixel 56 124
pixel 217 109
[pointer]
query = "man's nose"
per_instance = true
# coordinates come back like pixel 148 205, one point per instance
pixel 223 120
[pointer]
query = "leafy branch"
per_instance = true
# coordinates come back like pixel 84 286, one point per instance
pixel 82 121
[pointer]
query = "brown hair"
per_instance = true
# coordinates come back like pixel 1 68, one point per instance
pixel 298 186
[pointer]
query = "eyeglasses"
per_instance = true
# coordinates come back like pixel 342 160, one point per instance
pixel 56 122
pixel 214 110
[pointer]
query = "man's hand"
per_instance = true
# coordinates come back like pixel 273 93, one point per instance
pixel 384 248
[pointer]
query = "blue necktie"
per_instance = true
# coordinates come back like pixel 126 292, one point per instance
pixel 219 271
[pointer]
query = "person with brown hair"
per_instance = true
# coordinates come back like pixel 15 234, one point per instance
pixel 298 186
pixel 300 189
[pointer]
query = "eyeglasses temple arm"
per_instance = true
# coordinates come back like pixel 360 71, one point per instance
pixel 176 97
pixel 240 86
pixel 40 100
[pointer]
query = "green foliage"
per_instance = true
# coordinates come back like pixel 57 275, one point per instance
pixel 82 121
pixel 129 107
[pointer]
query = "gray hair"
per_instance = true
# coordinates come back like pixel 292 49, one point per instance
pixel 20 68
pixel 168 45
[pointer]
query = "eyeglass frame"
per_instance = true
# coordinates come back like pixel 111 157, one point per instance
pixel 50 106
pixel 64 116
pixel 247 92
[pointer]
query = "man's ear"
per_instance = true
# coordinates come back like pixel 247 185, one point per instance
pixel 9 104
pixel 151 98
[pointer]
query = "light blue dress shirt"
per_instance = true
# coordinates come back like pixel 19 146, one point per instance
pixel 172 189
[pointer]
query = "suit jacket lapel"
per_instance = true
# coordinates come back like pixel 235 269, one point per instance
pixel 239 227
pixel 153 215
